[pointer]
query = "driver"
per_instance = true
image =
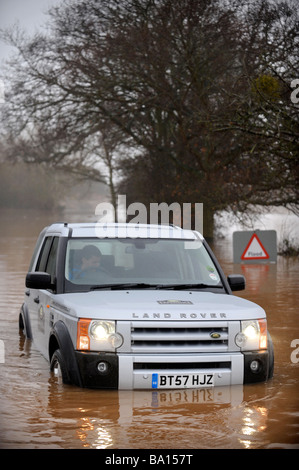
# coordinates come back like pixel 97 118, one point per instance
pixel 91 258
pixel 90 262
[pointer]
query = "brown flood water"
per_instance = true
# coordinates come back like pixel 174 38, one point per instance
pixel 35 412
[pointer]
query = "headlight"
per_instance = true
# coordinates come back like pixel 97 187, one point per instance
pixel 253 335
pixel 100 330
pixel 98 335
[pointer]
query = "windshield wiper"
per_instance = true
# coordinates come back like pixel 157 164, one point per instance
pixel 189 286
pixel 127 285
pixel 141 285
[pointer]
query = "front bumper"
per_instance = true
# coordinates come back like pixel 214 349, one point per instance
pixel 129 372
pixel 91 376
pixel 262 373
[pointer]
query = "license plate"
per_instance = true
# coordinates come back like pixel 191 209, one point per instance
pixel 182 380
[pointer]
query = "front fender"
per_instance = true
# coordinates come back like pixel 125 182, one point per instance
pixel 60 339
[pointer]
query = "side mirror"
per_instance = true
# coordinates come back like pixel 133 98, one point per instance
pixel 236 281
pixel 39 280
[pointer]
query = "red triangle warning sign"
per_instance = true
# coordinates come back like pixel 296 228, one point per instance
pixel 255 249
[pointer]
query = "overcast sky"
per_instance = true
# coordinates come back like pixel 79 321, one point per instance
pixel 29 13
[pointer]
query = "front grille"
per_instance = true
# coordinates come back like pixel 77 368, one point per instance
pixel 181 337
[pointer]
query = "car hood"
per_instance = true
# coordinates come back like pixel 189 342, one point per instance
pixel 157 305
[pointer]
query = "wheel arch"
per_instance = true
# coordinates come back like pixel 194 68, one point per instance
pixel 60 339
pixel 271 356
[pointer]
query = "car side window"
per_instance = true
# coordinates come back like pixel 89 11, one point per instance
pixel 47 258
pixel 51 263
pixel 43 257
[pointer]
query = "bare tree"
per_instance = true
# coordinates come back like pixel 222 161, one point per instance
pixel 191 96
pixel 48 116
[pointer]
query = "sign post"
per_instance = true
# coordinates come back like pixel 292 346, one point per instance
pixel 254 247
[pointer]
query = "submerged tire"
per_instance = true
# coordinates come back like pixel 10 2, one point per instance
pixel 21 325
pixel 24 322
pixel 58 367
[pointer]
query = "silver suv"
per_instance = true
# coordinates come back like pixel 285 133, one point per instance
pixel 140 307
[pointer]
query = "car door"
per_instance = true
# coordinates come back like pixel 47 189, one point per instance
pixel 40 299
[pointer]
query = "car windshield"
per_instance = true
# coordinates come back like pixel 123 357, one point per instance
pixel 146 263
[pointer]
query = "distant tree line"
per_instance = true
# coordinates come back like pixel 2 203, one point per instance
pixel 182 100
pixel 30 187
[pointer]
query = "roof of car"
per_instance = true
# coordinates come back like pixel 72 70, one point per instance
pixel 121 230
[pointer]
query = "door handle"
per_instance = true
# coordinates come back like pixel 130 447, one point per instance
pixel 36 300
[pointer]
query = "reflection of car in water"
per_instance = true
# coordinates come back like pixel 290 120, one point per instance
pixel 141 307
